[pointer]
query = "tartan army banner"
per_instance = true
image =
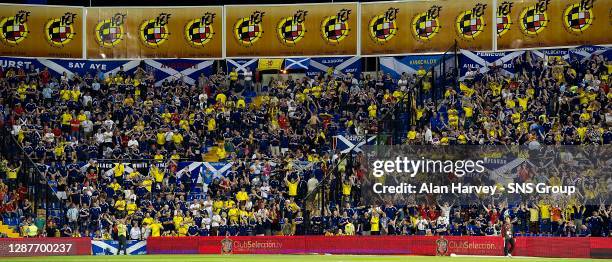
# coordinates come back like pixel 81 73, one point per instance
pixel 159 32
pixel 546 23
pixel 425 26
pixel 41 31
pixel 291 30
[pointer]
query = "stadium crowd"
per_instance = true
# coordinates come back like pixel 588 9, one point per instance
pixel 61 122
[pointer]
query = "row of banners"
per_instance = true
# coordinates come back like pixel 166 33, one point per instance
pixel 484 61
pixel 190 69
pixel 334 29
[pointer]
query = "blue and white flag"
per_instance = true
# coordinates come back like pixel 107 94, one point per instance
pixel 395 66
pixel 109 247
pixel 217 169
pixel 186 69
pixel 585 52
pixel 241 64
pixel 352 143
pixel 483 60
pixel 546 53
pixel 297 63
pixel 191 169
pixel 341 65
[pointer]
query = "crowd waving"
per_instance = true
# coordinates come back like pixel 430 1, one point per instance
pixel 265 130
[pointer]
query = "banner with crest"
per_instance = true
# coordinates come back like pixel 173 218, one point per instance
pixel 425 26
pixel 160 32
pixel 41 31
pixel 546 23
pixel 291 30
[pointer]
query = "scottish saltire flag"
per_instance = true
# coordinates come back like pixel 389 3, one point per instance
pixel 483 60
pixel 217 169
pixel 241 64
pixel 395 66
pixel 172 69
pixel 109 247
pixel 352 143
pixel 340 65
pixel 582 53
pixel 297 63
pixel 191 169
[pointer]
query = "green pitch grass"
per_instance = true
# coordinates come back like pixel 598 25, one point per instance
pixel 266 258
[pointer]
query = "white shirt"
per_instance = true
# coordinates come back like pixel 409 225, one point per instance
pixel 135 233
pixel 99 138
pixel 265 190
pixel 133 143
pixel 109 124
pixel 108 137
pixel 87 126
pixel 248 76
pixel 312 184
pixel 216 220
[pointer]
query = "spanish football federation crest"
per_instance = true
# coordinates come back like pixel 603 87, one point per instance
pixel 14 29
pixel 534 19
pixel 579 16
pixel 290 30
pixel 470 23
pixel 426 24
pixel 383 26
pixel 200 31
pixel 154 32
pixel 335 28
pixel 60 31
pixel 227 246
pixel 248 30
pixel 110 32
pixel 503 20
pixel 441 246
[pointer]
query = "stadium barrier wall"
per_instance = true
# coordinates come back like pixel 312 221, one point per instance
pixel 387 245
pixel 22 247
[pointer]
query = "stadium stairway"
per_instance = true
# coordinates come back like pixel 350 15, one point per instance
pixel 8 231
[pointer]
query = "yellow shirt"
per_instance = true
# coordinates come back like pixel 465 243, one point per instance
pixel 412 135
pixel 544 211
pixel 374 224
pixel 66 118
pixel 233 214
pixel 161 138
pixel 131 208
pixel 346 189
pixel 292 188
pixel 177 221
pixel 523 102
pixel 120 205
pixel 12 173
pixel 119 169
pixel 233 75
pixel 212 124
pixel 177 138
pixel 155 229
pixel 75 95
pixel 147 221
pixel 242 196
pixel 122 230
